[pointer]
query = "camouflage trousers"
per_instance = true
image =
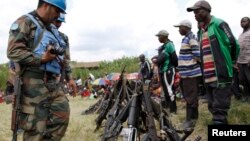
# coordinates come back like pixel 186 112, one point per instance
pixel 45 111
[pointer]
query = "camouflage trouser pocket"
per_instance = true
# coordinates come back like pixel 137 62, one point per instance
pixel 42 110
pixel 31 124
pixel 27 122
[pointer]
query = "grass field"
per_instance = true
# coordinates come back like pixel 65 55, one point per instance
pixel 81 127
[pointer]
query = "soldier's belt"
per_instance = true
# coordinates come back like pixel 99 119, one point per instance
pixel 34 74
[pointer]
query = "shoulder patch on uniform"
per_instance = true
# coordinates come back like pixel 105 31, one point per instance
pixel 14 26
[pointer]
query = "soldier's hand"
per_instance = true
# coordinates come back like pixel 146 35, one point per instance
pixel 72 84
pixel 47 56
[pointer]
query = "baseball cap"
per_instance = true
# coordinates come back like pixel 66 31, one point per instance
pixel 186 23
pixel 200 4
pixel 162 33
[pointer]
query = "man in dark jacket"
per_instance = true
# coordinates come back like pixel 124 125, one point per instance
pixel 166 61
pixel 219 51
pixel 145 68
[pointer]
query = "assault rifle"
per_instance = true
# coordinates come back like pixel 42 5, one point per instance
pixel 167 130
pixel 16 110
pixel 152 134
pixel 130 133
pixel 106 105
pixel 115 110
pixel 92 108
pixel 116 126
pixel 110 118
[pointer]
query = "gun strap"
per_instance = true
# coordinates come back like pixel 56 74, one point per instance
pixel 37 39
pixel 19 71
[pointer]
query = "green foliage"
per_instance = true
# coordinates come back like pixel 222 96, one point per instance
pixel 239 112
pixel 3 75
pixel 131 64
pixel 107 67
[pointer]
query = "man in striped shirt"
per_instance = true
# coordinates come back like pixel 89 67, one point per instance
pixel 190 71
pixel 219 51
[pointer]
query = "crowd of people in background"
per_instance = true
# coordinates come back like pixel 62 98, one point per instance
pixel 211 63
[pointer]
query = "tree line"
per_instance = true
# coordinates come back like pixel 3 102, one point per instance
pixel 105 67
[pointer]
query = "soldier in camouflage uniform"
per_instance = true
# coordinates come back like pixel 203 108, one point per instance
pixel 45 108
pixel 58 24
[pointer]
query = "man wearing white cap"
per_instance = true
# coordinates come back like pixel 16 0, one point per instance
pixel 166 61
pixel 190 71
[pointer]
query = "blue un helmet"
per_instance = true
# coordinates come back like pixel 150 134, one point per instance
pixel 61 4
pixel 61 18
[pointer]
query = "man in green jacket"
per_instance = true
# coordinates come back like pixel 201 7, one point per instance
pixel 166 61
pixel 219 51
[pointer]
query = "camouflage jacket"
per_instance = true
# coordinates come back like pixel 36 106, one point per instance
pixel 66 57
pixel 21 42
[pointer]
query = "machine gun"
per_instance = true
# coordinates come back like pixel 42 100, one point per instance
pixel 119 114
pixel 152 134
pixel 16 110
pixel 130 133
pixel 117 124
pixel 110 118
pixel 92 108
pixel 115 110
pixel 106 105
pixel 167 130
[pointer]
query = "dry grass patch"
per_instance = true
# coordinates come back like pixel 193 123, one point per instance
pixel 81 127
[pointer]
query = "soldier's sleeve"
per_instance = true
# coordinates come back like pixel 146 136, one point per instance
pixel 19 49
pixel 68 71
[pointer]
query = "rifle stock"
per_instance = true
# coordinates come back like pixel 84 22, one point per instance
pixel 115 110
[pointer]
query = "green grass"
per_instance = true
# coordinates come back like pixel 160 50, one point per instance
pixel 81 127
pixel 239 113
